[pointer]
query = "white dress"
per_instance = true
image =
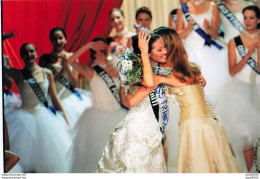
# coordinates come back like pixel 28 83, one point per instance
pixel 73 106
pixel 40 138
pixel 242 117
pixel 95 125
pixel 136 144
pixel 12 102
pixel 212 61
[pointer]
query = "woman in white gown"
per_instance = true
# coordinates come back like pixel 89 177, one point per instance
pixel 96 123
pixel 121 39
pixel 136 144
pixel 243 90
pixel 199 34
pixel 203 144
pixel 39 137
pixel 74 100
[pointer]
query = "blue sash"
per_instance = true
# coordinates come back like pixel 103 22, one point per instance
pixel 174 15
pixel 64 81
pixel 241 49
pixel 159 104
pixel 208 40
pixel 231 18
pixel 37 90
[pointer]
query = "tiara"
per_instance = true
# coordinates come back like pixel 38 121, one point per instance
pixel 139 27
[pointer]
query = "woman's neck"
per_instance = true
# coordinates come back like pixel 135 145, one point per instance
pixel 122 31
pixel 102 63
pixel 57 51
pixel 32 68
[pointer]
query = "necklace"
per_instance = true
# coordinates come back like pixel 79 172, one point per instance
pixel 32 69
pixel 252 35
pixel 123 32
pixel 233 1
pixel 197 2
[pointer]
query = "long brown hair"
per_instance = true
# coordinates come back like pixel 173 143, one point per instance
pixel 183 70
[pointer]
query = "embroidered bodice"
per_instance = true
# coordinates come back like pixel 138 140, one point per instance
pixel 29 99
pixel 192 102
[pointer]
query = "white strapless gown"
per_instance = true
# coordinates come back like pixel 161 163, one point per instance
pixel 93 128
pixel 212 61
pixel 242 93
pixel 40 138
pixel 136 144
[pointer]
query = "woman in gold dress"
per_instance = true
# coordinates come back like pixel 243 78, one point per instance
pixel 203 144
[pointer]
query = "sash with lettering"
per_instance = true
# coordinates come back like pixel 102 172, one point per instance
pixel 160 106
pixel 37 90
pixel 64 81
pixel 208 40
pixel 231 17
pixel 174 15
pixel 241 50
pixel 109 82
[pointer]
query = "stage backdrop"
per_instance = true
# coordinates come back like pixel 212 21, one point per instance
pixel 32 20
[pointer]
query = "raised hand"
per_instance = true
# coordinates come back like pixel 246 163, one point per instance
pixel 9 34
pixel 143 41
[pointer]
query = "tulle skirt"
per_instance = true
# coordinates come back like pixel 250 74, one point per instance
pixel 238 107
pixel 40 138
pixel 74 107
pixel 213 64
pixel 204 148
pixel 91 135
pixel 12 102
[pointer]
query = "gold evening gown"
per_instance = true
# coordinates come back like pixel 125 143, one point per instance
pixel 203 143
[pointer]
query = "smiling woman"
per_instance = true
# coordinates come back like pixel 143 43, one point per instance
pixel 33 127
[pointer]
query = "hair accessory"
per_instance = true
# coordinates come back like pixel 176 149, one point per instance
pixel 139 27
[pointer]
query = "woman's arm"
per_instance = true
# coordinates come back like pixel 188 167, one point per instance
pixel 147 68
pixel 180 28
pixel 72 74
pixel 54 98
pixel 234 67
pixel 212 29
pixel 258 54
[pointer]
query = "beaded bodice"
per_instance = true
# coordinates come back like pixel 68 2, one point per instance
pixel 192 102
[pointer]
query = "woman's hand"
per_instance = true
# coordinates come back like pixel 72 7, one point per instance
pixel 202 81
pixel 143 41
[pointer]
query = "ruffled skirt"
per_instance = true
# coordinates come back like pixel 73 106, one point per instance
pixel 40 138
pixel 135 146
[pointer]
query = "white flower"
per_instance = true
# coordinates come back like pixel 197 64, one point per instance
pixel 123 78
pixel 130 64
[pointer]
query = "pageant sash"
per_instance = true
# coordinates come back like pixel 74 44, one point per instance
pixel 64 81
pixel 208 40
pixel 37 90
pixel 109 82
pixel 159 105
pixel 231 17
pixel 241 50
pixel 174 15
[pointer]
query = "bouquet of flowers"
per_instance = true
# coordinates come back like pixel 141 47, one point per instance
pixel 130 69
